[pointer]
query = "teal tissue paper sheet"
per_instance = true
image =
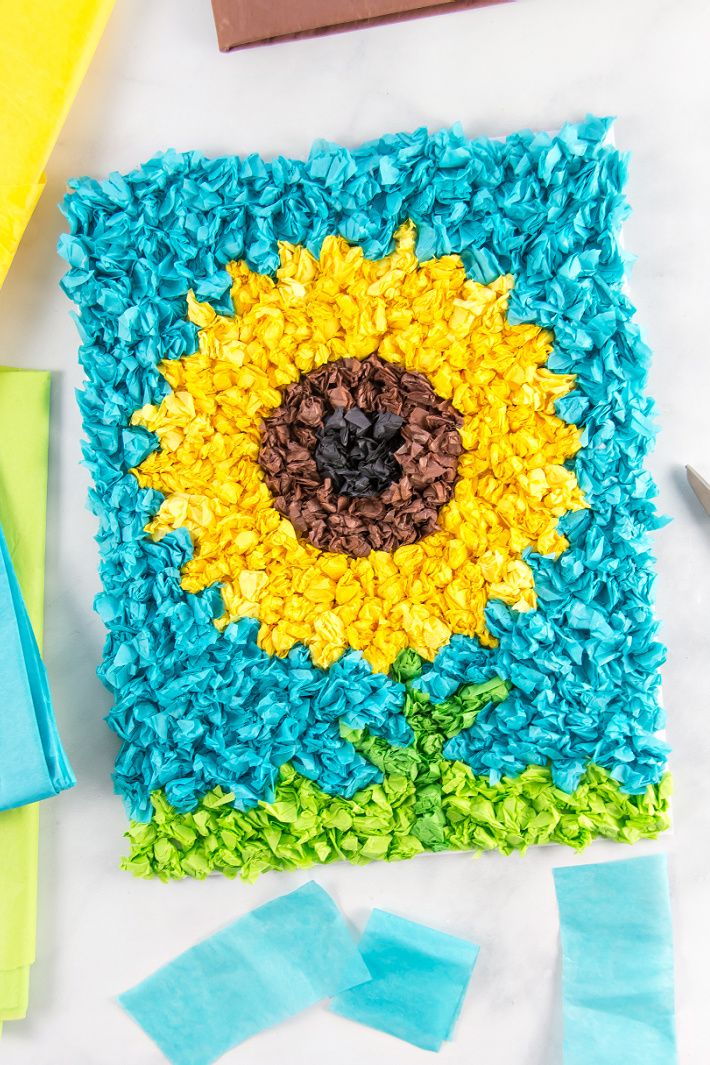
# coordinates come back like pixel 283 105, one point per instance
pixel 33 764
pixel 419 981
pixel 274 962
pixel 617 950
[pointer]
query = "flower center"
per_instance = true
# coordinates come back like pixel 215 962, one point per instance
pixel 356 452
pixel 361 456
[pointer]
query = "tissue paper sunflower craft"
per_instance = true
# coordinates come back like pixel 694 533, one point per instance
pixel 367 437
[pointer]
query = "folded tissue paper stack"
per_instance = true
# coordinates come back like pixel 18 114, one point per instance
pixel 33 765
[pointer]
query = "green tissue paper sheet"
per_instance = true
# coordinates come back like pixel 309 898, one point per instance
pixel 24 438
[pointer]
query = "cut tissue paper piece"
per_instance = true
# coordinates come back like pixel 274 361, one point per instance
pixel 419 981
pixel 267 966
pixel 24 436
pixel 460 653
pixel 45 49
pixel 33 764
pixel 617 950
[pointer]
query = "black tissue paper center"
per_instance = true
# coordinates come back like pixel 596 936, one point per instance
pixel 356 451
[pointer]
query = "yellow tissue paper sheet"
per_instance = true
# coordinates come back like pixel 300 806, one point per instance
pixel 24 440
pixel 45 49
pixel 17 202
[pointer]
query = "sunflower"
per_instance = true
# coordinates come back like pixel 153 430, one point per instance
pixel 433 337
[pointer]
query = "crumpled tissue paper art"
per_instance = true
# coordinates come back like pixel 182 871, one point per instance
pixel 419 981
pixel 617 951
pixel 267 966
pixel 367 437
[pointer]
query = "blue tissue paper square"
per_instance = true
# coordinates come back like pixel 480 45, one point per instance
pixel 267 966
pixel 617 949
pixel 419 981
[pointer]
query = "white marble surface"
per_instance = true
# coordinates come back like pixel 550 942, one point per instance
pixel 158 81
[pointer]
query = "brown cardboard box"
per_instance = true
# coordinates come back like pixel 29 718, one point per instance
pixel 241 23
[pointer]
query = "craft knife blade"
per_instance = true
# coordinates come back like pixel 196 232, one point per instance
pixel 700 486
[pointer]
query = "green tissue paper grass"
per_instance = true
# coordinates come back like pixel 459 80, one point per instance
pixel 424 803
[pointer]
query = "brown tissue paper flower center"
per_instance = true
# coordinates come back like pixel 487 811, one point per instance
pixel 312 454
